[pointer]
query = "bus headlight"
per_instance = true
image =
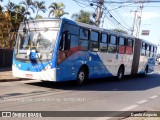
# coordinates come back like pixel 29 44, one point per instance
pixel 14 65
pixel 47 67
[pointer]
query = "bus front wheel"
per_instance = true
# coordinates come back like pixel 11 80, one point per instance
pixel 120 73
pixel 82 76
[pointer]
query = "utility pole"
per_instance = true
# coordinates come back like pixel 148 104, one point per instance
pixel 99 12
pixel 137 21
pixel 140 18
pixel 135 16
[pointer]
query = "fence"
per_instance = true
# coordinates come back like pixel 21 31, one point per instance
pixel 6 57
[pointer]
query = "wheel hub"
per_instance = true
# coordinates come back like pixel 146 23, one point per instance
pixel 81 76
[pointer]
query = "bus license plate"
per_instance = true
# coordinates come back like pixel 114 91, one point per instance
pixel 29 75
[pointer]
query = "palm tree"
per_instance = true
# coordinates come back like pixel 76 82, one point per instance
pixel 28 4
pixel 20 12
pixel 83 16
pixel 40 6
pixel 1 8
pixel 57 10
pixel 10 6
pixel 17 10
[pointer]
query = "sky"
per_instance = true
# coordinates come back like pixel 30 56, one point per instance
pixel 124 15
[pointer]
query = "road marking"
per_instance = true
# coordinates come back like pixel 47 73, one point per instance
pixel 120 112
pixel 128 108
pixel 103 118
pixel 141 102
pixel 155 96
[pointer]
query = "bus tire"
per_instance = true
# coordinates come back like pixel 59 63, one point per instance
pixel 145 71
pixel 82 76
pixel 120 73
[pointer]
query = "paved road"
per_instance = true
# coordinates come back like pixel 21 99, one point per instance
pixel 132 93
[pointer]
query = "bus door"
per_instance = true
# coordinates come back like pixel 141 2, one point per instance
pixel 68 46
pixel 63 54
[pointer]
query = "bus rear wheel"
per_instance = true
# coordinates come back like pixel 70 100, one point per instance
pixel 82 76
pixel 145 71
pixel 120 73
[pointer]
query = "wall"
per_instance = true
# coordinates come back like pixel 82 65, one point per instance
pixel 6 57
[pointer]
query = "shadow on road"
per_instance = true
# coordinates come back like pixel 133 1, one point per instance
pixel 130 83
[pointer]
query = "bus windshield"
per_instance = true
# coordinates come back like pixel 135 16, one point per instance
pixel 42 42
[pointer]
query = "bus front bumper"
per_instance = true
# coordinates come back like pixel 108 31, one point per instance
pixel 47 75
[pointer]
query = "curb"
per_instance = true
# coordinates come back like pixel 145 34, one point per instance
pixel 12 80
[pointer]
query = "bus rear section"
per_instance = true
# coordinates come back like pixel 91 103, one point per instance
pixel 35 50
pixel 144 57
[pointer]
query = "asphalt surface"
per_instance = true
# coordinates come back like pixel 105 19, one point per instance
pixel 6 75
pixel 131 94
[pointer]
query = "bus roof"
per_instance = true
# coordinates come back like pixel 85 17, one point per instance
pixel 97 28
pixel 87 26
pixel 106 30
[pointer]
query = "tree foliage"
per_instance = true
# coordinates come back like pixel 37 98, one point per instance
pixel 10 20
pixel 13 14
pixel 83 16
pixel 57 10
pixel 40 6
pixel 28 4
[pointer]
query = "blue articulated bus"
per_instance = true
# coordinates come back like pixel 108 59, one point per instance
pixel 62 49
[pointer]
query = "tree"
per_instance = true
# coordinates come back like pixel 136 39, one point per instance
pixel 10 20
pixel 20 12
pixel 38 17
pixel 1 8
pixel 28 4
pixel 57 10
pixel 83 16
pixel 10 6
pixel 40 6
pixel 4 28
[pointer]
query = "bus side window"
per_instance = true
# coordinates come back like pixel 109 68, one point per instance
pixel 84 39
pixel 93 45
pixel 155 51
pixel 65 41
pixel 121 46
pixel 147 50
pixel 129 46
pixel 103 43
pixel 143 49
pixel 74 43
pixel 112 47
pixel 61 45
pixel 152 51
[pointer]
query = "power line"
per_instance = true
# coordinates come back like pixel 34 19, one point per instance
pixel 102 10
pixel 115 20
pixel 81 4
pixel 121 18
pixel 120 6
pixel 119 23
pixel 133 1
